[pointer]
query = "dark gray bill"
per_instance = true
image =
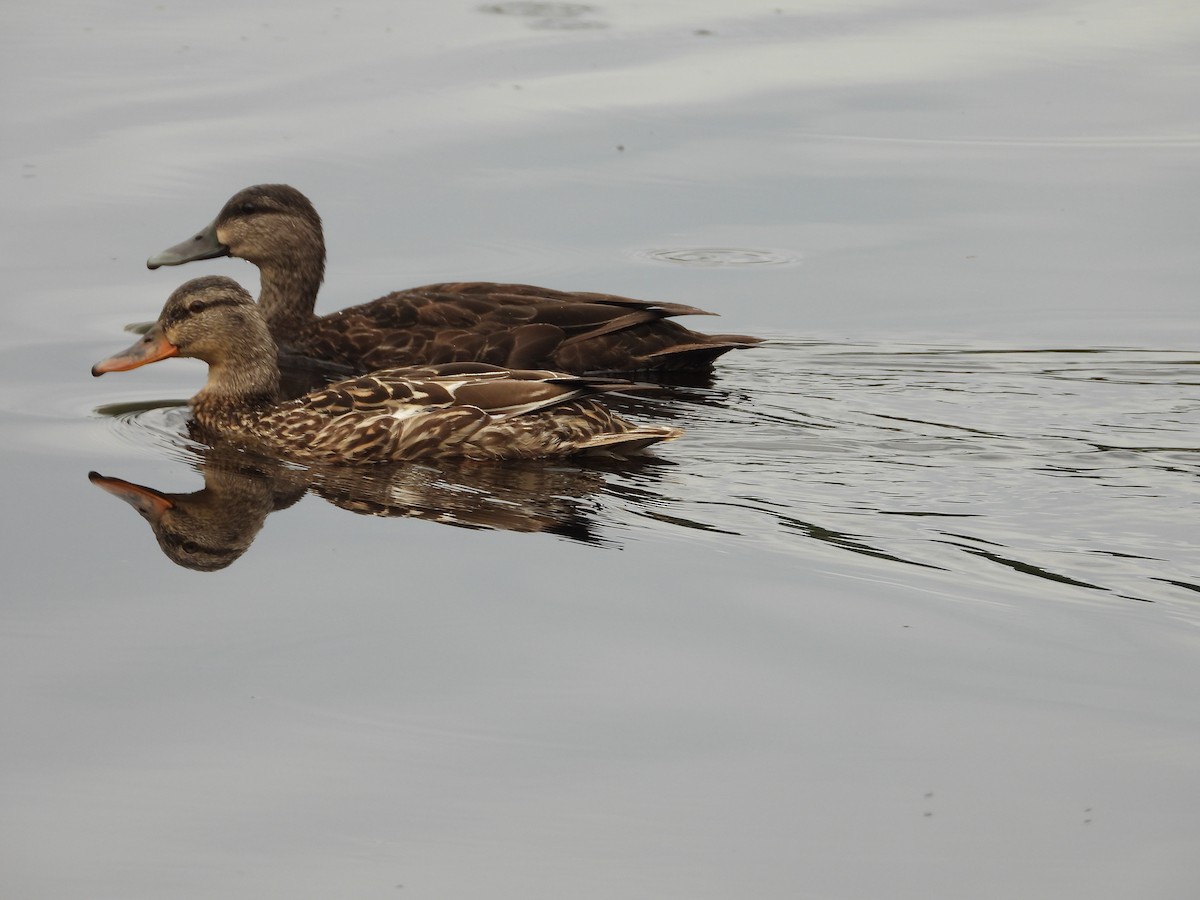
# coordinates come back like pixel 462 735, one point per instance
pixel 203 246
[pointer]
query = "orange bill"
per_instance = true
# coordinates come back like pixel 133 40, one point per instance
pixel 151 347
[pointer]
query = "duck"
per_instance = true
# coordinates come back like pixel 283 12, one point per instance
pixel 467 410
pixel 519 326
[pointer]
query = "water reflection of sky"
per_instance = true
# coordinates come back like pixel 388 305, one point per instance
pixel 869 620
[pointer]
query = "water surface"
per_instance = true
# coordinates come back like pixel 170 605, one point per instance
pixel 909 611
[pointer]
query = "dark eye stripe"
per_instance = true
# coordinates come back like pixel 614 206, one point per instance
pixel 224 301
pixel 192 310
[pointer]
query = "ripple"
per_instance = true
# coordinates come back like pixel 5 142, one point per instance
pixel 718 256
pixel 1070 472
pixel 162 424
pixel 563 16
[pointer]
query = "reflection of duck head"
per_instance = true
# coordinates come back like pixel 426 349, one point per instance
pixel 208 529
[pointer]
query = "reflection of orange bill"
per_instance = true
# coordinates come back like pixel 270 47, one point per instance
pixel 150 504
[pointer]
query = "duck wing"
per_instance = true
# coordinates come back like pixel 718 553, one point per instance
pixel 518 326
pixel 495 390
pixel 471 410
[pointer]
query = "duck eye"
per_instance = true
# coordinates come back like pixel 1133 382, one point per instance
pixel 196 306
pixel 249 207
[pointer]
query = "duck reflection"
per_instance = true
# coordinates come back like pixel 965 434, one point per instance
pixel 209 529
pixel 206 530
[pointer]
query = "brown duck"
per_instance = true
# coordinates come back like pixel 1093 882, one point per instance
pixel 518 326
pixel 468 410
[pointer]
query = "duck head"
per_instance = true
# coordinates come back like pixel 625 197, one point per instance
pixel 215 320
pixel 266 224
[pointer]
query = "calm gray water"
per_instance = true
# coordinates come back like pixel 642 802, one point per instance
pixel 910 611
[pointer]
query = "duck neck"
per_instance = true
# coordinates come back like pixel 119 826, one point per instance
pixel 246 379
pixel 288 294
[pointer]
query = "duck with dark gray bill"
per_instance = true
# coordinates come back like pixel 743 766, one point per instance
pixel 468 410
pixel 275 227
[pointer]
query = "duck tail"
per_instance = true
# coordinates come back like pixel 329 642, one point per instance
pixel 697 356
pixel 636 438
